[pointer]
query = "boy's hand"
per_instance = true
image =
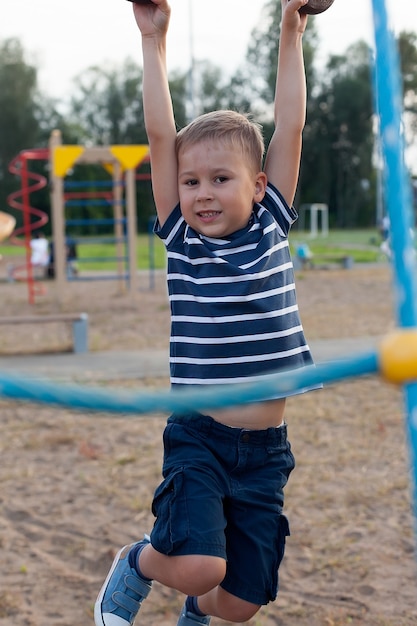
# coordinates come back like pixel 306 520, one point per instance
pixel 291 17
pixel 152 17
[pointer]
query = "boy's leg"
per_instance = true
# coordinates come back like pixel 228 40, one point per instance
pixel 256 530
pixel 123 591
pixel 218 602
pixel 191 615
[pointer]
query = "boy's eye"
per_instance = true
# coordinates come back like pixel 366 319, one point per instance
pixel 220 179
pixel 191 182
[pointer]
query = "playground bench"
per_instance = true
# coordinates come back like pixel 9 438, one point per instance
pixel 304 259
pixel 79 325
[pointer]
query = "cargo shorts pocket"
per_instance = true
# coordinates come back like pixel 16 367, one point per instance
pixel 170 508
pixel 283 531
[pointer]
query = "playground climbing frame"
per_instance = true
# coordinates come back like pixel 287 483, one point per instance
pixel 121 161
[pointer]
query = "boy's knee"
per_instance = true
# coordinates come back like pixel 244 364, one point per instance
pixel 233 609
pixel 200 573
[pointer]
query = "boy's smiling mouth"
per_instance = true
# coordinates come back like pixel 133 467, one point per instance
pixel 207 215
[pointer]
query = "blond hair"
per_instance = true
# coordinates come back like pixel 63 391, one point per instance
pixel 229 127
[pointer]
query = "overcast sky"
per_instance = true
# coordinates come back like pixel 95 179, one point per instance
pixel 63 39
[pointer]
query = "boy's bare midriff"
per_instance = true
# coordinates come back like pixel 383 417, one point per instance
pixel 252 416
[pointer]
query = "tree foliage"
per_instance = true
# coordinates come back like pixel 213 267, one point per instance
pixel 106 105
pixel 337 166
pixel 18 110
pixel 262 53
pixel 18 84
pixel 408 54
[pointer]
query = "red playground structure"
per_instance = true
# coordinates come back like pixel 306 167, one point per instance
pixel 121 162
pixel 33 219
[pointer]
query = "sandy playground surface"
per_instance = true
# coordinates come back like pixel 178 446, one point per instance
pixel 76 487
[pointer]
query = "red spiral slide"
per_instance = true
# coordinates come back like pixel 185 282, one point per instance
pixel 33 219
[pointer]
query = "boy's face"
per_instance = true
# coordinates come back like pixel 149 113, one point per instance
pixel 217 188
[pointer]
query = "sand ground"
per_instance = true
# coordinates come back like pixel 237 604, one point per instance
pixel 75 487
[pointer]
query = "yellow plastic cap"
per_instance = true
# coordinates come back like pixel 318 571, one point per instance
pixel 398 356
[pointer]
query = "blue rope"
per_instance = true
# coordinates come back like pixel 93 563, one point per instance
pixel 219 396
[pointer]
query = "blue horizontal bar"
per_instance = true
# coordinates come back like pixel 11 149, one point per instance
pixel 98 221
pixel 90 184
pixel 88 202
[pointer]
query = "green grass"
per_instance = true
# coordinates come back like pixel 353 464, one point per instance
pixel 148 253
pixel 361 245
pixel 342 237
pixel 103 251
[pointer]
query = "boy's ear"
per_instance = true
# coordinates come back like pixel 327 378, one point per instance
pixel 260 186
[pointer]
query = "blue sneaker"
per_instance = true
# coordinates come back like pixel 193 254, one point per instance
pixel 191 619
pixel 121 595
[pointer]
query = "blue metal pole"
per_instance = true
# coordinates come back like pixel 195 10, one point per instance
pixel 398 199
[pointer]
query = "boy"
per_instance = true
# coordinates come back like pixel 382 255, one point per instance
pixel 219 534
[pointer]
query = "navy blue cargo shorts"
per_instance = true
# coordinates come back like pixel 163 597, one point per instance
pixel 222 495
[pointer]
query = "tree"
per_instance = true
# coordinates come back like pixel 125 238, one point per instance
pixel 407 43
pixel 261 58
pixel 19 127
pixel 106 105
pixel 339 140
pixel 107 109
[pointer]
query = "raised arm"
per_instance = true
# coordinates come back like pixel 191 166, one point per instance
pixel 153 21
pixel 282 162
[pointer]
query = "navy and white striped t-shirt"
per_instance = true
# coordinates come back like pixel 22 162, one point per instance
pixel 234 314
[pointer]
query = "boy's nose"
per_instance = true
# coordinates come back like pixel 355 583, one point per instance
pixel 204 193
